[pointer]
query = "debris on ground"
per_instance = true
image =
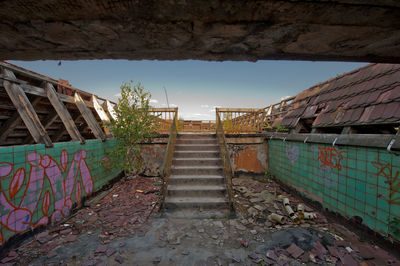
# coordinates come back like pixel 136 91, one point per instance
pixel 118 212
pixel 116 230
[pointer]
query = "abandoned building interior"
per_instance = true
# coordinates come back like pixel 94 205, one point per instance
pixel 326 156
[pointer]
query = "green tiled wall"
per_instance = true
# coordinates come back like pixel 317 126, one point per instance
pixel 353 181
pixel 39 185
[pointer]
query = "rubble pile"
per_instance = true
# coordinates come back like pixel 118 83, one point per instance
pixel 118 212
pixel 262 202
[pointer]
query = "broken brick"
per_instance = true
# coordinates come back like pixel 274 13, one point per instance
pixel 295 251
pixel 333 251
pixel 101 249
pixel 348 260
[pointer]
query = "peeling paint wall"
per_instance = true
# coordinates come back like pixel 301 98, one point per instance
pixel 40 185
pixel 153 156
pixel 353 181
pixel 249 155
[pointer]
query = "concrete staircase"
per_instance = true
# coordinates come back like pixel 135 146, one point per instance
pixel 196 187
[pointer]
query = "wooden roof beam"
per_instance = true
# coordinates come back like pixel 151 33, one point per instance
pixel 89 117
pixel 102 114
pixel 64 114
pixel 26 110
pixel 110 109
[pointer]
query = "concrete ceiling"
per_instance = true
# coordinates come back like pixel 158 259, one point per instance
pixel 339 30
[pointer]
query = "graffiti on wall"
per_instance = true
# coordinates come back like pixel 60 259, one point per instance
pixel 67 181
pixel 392 179
pixel 292 153
pixel 330 157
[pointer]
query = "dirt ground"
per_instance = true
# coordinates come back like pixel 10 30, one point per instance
pixel 123 226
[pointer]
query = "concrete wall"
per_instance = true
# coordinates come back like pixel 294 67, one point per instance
pixel 40 185
pixel 350 180
pixel 248 154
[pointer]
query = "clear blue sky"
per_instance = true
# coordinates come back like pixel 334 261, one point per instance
pixel 196 87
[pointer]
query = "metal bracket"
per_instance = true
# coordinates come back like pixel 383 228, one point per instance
pixel 333 143
pixel 305 140
pixel 390 144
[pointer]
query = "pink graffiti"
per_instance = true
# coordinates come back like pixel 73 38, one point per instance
pixel 18 217
pixel 292 153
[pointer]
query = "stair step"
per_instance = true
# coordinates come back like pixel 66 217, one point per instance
pixel 196 141
pixel 192 213
pixel 196 202
pixel 196 154
pixel 197 161
pixel 196 180
pixel 196 147
pixel 196 170
pixel 196 190
pixel 196 136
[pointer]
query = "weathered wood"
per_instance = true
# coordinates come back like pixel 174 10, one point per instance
pixel 8 127
pixel 38 91
pixel 110 109
pixel 102 114
pixel 63 113
pixel 26 110
pixel 89 117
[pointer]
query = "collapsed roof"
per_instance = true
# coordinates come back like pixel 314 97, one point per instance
pixel 366 100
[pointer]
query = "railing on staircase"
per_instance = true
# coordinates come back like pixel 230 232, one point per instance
pixel 164 118
pixel 250 120
pixel 228 169
pixel 166 167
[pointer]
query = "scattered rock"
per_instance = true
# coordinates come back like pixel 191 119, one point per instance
pixel 119 259
pixel 66 231
pixel 157 260
pixel 236 259
pixel 70 238
pixel 271 254
pixel 219 224
pixel 255 200
pixel 240 227
pixel 185 252
pixel 201 230
pixel 254 232
pixel 253 256
pixel 260 208
pixel 52 254
pixel 110 252
pixel 101 249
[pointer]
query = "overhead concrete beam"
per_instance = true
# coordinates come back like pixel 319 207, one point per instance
pixel 344 30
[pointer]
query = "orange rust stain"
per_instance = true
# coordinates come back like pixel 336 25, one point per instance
pixel 246 160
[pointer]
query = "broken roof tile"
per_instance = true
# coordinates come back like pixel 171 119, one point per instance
pixel 358 97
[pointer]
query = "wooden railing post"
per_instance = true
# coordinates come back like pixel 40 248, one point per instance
pixel 228 169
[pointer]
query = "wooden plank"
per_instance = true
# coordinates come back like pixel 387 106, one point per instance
pixel 26 110
pixel 102 114
pixel 8 127
pixel 110 109
pixel 64 114
pixel 89 117
pixel 38 91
